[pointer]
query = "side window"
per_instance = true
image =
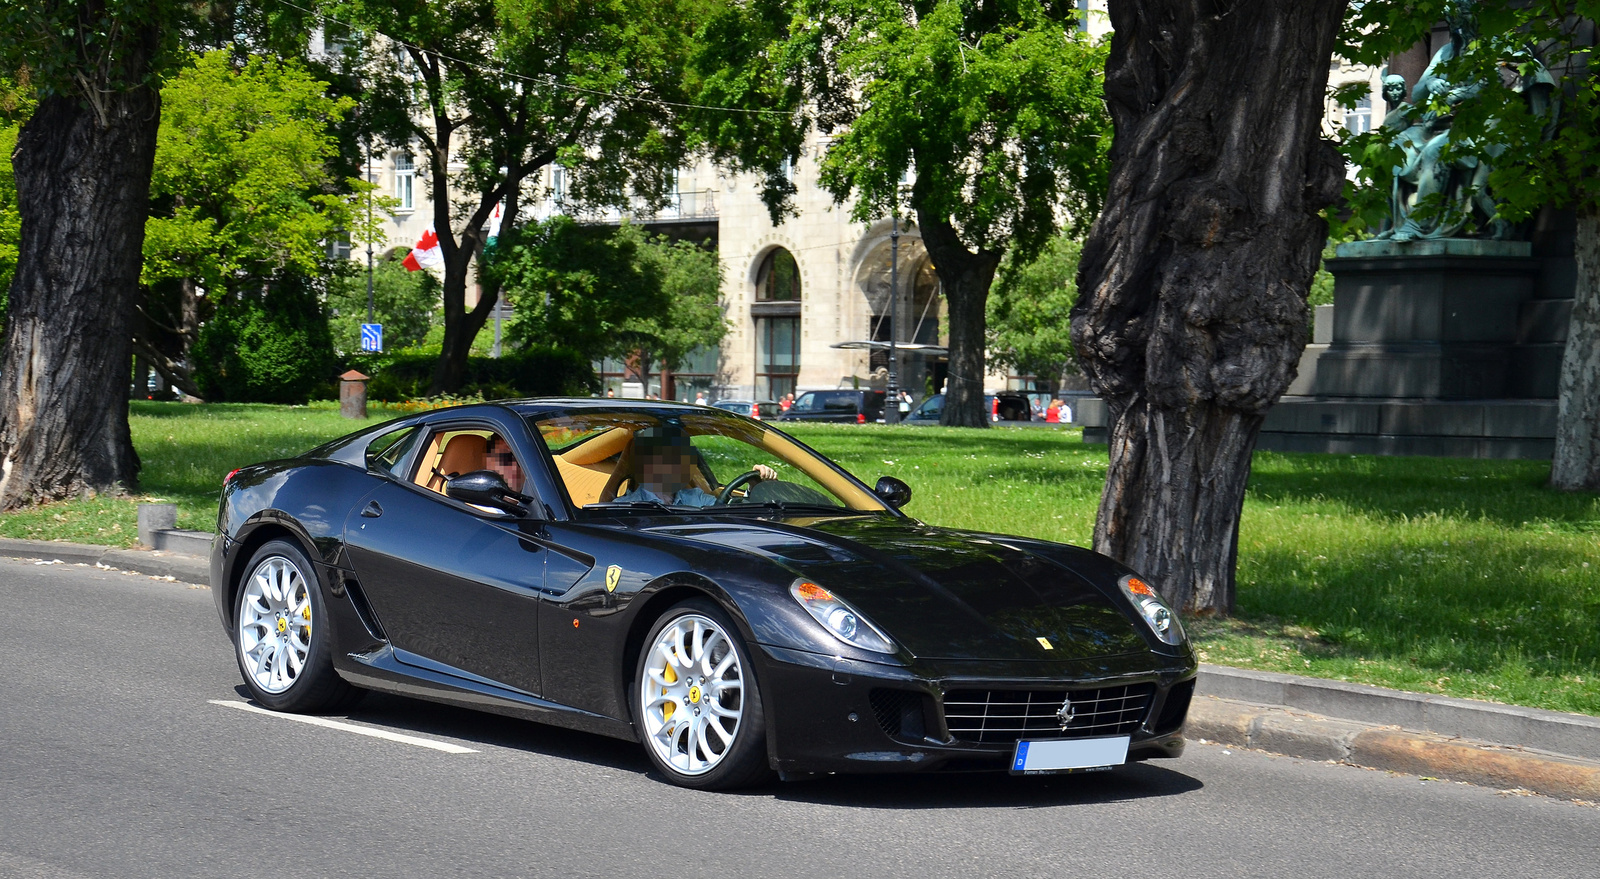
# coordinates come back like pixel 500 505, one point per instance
pixel 451 452
pixel 840 402
pixel 808 402
pixel 385 452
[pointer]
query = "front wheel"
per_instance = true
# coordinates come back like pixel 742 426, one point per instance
pixel 280 634
pixel 699 706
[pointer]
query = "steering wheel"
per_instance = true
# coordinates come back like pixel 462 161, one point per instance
pixel 740 481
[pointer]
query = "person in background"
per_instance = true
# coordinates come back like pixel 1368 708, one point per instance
pixel 699 398
pixel 786 402
pixel 1053 413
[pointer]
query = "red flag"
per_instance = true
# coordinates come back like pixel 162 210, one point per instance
pixel 425 254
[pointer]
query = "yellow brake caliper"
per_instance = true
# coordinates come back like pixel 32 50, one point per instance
pixel 671 707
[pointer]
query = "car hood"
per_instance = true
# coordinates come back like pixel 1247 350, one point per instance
pixel 943 594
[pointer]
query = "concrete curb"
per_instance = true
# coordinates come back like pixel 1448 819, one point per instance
pixel 187 568
pixel 1314 737
pixel 1554 731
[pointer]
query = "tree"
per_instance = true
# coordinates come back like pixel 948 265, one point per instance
pixel 1192 289
pixel 82 166
pixel 691 281
pixel 491 91
pixel 272 346
pixel 243 195
pixel 601 291
pixel 992 109
pixel 1539 164
pixel 1030 328
pixel 405 302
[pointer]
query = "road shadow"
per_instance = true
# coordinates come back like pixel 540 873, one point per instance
pixel 417 717
pixel 955 790
pixel 987 790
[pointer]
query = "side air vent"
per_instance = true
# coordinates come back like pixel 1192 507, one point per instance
pixel 898 712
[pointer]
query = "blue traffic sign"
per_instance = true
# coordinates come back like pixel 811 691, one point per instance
pixel 372 337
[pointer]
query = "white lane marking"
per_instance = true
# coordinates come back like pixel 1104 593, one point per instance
pixel 349 727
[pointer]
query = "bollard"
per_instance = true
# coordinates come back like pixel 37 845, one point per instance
pixel 156 517
pixel 353 395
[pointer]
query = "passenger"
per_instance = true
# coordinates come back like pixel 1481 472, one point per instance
pixel 663 470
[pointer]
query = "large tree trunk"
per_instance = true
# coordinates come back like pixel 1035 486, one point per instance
pixel 83 188
pixel 1193 282
pixel 1576 466
pixel 966 278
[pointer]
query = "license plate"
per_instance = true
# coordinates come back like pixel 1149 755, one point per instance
pixel 1069 755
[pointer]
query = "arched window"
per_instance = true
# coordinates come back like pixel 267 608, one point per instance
pixel 779 278
pixel 777 315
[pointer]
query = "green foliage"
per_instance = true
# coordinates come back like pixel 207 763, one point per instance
pixel 489 92
pixel 272 348
pixel 406 303
pixel 536 372
pixel 1030 311
pixel 1536 166
pixel 995 108
pixel 241 182
pixel 86 48
pixel 16 102
pixel 599 291
pixel 691 281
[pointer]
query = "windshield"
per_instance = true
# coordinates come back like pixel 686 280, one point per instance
pixel 689 460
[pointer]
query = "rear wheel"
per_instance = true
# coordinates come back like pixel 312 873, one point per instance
pixel 280 634
pixel 699 706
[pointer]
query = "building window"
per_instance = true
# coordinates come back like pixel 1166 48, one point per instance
pixel 405 180
pixel 1083 16
pixel 558 184
pixel 779 278
pixel 1358 119
pixel 777 356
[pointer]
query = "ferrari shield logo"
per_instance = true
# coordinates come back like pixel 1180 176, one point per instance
pixel 613 574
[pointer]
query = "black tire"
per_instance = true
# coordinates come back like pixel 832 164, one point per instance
pixel 282 644
pixel 743 760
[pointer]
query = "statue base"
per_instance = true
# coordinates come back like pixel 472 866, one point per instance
pixel 1472 247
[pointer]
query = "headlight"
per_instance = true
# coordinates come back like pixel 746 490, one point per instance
pixel 845 622
pixel 1163 620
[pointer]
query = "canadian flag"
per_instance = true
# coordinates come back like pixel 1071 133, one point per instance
pixel 426 254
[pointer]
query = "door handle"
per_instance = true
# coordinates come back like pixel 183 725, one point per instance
pixel 372 510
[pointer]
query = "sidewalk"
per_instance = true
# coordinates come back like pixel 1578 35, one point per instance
pixel 1502 746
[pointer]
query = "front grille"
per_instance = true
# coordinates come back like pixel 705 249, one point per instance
pixel 1002 716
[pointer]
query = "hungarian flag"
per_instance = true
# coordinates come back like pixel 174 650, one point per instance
pixel 426 254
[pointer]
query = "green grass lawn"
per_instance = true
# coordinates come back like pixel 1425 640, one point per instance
pixel 1451 576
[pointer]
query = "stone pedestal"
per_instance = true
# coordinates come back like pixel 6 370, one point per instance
pixel 1434 320
pixel 1431 348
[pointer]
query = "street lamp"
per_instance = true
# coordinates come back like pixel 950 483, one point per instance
pixel 891 398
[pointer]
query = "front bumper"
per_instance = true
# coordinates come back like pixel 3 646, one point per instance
pixel 824 716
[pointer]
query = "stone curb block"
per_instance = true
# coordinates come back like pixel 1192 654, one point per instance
pixel 1312 737
pixel 187 569
pixel 1553 731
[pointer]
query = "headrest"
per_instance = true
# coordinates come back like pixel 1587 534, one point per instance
pixel 464 453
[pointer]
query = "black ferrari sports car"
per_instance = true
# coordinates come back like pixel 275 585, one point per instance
pixel 690 579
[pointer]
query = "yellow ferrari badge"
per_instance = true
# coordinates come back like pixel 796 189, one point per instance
pixel 613 574
pixel 1045 643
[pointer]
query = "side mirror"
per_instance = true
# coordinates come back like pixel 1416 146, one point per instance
pixel 892 491
pixel 486 488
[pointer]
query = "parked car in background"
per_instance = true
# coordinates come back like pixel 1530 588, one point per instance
pixel 760 410
pixel 848 406
pixel 1002 407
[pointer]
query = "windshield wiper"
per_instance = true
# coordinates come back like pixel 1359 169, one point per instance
pixel 643 505
pixel 788 507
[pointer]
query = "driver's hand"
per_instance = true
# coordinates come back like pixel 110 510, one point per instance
pixel 765 472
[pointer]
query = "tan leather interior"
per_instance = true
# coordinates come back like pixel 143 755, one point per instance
pixel 463 453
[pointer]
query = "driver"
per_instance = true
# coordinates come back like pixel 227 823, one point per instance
pixel 663 463
pixel 499 458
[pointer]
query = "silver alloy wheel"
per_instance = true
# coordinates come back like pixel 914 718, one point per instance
pixel 691 694
pixel 275 624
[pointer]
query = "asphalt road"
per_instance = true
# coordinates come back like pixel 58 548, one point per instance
pixel 115 762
